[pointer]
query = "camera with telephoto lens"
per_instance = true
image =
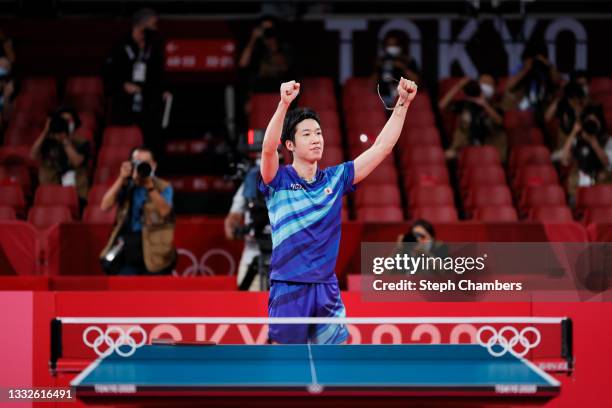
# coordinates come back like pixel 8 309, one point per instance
pixel 58 124
pixel 143 169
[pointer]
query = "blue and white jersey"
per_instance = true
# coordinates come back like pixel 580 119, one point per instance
pixel 306 220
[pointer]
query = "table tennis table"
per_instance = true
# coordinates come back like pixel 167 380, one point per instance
pixel 301 374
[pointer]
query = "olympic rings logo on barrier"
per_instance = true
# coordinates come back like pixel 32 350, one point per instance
pixel 114 343
pixel 201 268
pixel 498 338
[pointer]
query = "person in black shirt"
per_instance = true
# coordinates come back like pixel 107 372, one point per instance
pixel 136 78
pixel 585 150
pixel 394 63
pixel 480 120
pixel 63 154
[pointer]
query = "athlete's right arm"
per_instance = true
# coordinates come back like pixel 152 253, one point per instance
pixel 269 153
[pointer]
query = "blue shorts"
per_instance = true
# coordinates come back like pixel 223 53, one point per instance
pixel 297 299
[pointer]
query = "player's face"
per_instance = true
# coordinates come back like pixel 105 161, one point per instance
pixel 308 141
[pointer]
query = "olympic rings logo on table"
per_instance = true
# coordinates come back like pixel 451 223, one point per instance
pixel 498 338
pixel 114 343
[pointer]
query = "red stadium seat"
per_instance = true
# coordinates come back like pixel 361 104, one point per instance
pixel 56 195
pixel 359 85
pixel 428 175
pixel 436 214
pixel 11 195
pixel 329 120
pixel 106 174
pixel 368 120
pixel 420 136
pixel 496 213
pixel 94 214
pixel 535 175
pixel 514 119
pixel 525 137
pixel 363 102
pixel 88 121
pixel 598 215
pixel 79 85
pixel 114 155
pixel 15 155
pixel 262 106
pixel 423 118
pixel 332 156
pixel 600 85
pixel 383 174
pixel 129 136
pixel 478 156
pixel 542 196
pixel 596 196
pixel 445 85
pixel 318 99
pixel 486 196
pixel 47 216
pixel 424 196
pixel 492 175
pixel 526 155
pixel 422 103
pixel 380 214
pixel 16 174
pixel 378 196
pixel 96 193
pixel 423 155
pixel 7 213
pixel 557 213
pixel 316 84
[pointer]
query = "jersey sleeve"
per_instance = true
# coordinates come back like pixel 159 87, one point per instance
pixel 348 176
pixel 268 189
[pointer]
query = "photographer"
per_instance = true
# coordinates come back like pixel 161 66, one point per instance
pixel 535 83
pixel 248 220
pixel 7 90
pixel 142 240
pixel 135 78
pixel 479 119
pixel 567 110
pixel 395 62
pixel 63 154
pixel 587 149
pixel 266 59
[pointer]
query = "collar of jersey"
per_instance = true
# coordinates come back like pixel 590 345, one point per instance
pixel 318 176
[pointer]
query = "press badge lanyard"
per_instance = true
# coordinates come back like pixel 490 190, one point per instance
pixel 139 68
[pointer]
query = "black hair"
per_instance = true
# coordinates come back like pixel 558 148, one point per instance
pixel 426 225
pixel 72 112
pixel 267 17
pixel 534 49
pixel 573 90
pixel 489 73
pixel 401 37
pixel 141 149
pixel 142 15
pixel 293 118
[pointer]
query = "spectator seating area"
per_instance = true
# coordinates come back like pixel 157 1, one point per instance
pixel 415 182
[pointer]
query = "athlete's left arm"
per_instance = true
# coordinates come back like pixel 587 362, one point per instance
pixel 367 161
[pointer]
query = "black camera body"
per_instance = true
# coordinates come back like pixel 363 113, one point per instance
pixel 143 169
pixel 58 124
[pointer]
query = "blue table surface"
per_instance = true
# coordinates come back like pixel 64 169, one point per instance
pixel 279 366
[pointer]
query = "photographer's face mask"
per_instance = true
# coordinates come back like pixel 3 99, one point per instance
pixel 393 50
pixel 71 128
pixel 487 90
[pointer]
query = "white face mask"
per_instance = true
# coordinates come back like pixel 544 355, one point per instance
pixel 70 128
pixel 393 50
pixel 487 90
pixel 585 88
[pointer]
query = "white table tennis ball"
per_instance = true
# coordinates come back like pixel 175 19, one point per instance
pixel 363 138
